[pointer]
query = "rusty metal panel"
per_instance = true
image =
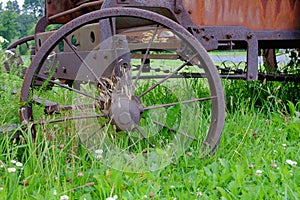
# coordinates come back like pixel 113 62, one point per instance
pixel 57 6
pixel 58 11
pixel 253 14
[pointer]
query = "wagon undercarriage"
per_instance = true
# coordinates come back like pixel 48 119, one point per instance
pixel 133 77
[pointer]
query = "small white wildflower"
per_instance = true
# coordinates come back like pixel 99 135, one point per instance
pixel 2 39
pixel 64 197
pixel 9 52
pixel 284 146
pixel 273 165
pixel 79 174
pixel 54 192
pixel 99 151
pixel 259 172
pixel 13 161
pixel 1 166
pixel 172 186
pixel 199 194
pixel 115 197
pixel 145 196
pixel 19 164
pixel 275 151
pixel 98 156
pixel 175 199
pixel 292 163
pixel 11 170
pixel 1 188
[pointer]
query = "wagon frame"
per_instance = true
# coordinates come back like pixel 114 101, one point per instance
pixel 114 33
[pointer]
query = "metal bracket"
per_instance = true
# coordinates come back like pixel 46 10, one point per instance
pixel 210 36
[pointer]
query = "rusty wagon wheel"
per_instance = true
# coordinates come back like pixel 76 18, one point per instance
pixel 15 55
pixel 144 96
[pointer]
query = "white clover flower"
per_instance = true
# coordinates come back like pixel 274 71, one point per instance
pixel 79 174
pixel 9 52
pixel 64 197
pixel 99 151
pixel 273 165
pixel 11 170
pixel 2 39
pixel 13 161
pixel 259 172
pixel 292 163
pixel 19 164
pixel 115 197
pixel 199 194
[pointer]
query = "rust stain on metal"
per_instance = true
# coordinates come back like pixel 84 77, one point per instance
pixel 63 11
pixel 253 14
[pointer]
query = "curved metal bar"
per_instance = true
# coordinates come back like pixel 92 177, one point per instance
pixel 20 41
pixel 71 11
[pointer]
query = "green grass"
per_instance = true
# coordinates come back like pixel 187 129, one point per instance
pixel 261 133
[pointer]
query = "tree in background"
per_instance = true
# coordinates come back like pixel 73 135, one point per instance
pixel 8 18
pixel 15 22
pixel 1 9
pixel 13 6
pixel 34 7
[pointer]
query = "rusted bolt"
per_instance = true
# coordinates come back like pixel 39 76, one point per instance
pixel 206 38
pixel 178 10
pixel 249 36
pixel 228 35
pixel 190 11
pixel 124 65
pixel 197 30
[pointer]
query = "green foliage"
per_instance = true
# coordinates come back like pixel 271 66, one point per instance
pixel 8 25
pixel 16 23
pixel 268 96
pixel 13 6
pixel 255 158
pixel 35 7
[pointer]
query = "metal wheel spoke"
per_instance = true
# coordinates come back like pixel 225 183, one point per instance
pixel 144 137
pixel 145 56
pixel 86 65
pixel 173 130
pixel 169 76
pixel 68 87
pixel 94 133
pixel 71 118
pixel 112 24
pixel 52 107
pixel 176 103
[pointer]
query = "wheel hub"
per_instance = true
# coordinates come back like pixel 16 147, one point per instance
pixel 125 111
